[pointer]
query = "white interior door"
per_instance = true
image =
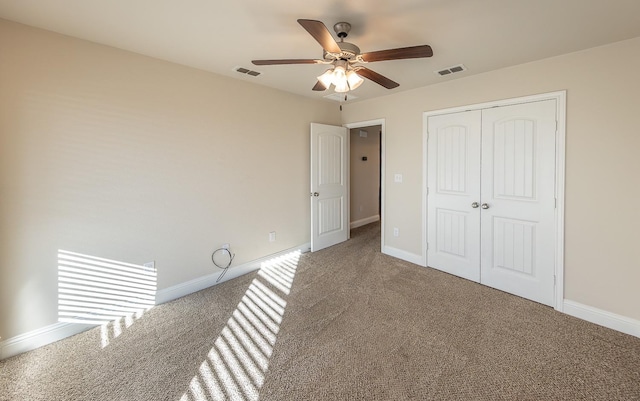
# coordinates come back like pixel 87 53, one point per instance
pixel 454 193
pixel 518 192
pixel 329 186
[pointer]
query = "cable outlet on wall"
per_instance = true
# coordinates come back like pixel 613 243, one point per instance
pixel 150 266
pixel 396 232
pixel 272 236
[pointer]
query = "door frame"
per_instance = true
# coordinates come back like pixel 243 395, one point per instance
pixel 362 124
pixel 561 99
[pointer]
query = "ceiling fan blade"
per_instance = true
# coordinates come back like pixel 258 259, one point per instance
pixel 399 53
pixel 320 33
pixel 319 86
pixel 285 61
pixel 377 78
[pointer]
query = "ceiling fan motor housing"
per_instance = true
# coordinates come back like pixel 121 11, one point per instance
pixel 349 50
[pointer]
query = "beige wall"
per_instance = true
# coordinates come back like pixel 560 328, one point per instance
pixel 602 263
pixel 364 175
pixel 122 156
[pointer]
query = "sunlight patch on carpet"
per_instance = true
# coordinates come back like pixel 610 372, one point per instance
pixel 235 367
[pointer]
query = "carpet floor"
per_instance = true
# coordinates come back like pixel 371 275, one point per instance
pixel 344 323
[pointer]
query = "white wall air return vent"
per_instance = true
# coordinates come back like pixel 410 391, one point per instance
pixel 246 71
pixel 451 70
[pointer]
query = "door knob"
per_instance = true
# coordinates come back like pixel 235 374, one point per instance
pixel 316 194
pixel 475 205
pixel 485 206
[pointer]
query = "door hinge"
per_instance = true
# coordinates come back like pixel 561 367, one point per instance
pixel 427 246
pixel 555 203
pixel 427 190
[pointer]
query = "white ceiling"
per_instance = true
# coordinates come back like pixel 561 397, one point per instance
pixel 218 35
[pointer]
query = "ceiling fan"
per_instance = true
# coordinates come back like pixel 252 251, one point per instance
pixel 345 58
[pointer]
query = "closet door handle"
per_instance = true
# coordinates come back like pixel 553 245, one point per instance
pixel 485 206
pixel 475 205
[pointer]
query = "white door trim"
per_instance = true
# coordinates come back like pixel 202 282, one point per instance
pixel 369 123
pixel 560 97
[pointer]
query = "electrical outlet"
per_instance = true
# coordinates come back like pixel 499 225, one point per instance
pixel 272 236
pixel 397 178
pixel 396 232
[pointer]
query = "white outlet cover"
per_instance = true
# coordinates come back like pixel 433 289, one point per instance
pixel 397 178
pixel 151 266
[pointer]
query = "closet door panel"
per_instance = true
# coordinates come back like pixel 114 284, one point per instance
pixel 453 165
pixel 518 199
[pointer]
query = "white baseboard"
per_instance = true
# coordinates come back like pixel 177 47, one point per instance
pixel 404 255
pixel 40 337
pixel 200 283
pixel 365 221
pixel 58 331
pixel 603 318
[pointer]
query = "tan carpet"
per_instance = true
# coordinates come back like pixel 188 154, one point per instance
pixel 356 325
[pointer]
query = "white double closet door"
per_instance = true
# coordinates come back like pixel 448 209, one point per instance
pixel 491 197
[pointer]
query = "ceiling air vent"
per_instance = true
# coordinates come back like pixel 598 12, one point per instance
pixel 247 71
pixel 451 70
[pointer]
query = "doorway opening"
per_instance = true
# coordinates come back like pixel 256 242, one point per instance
pixel 366 173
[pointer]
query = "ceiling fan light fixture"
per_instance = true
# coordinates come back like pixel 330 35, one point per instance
pixel 326 78
pixel 339 74
pixel 341 77
pixel 341 85
pixel 354 79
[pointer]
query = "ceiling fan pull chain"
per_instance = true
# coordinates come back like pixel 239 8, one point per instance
pixel 343 100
